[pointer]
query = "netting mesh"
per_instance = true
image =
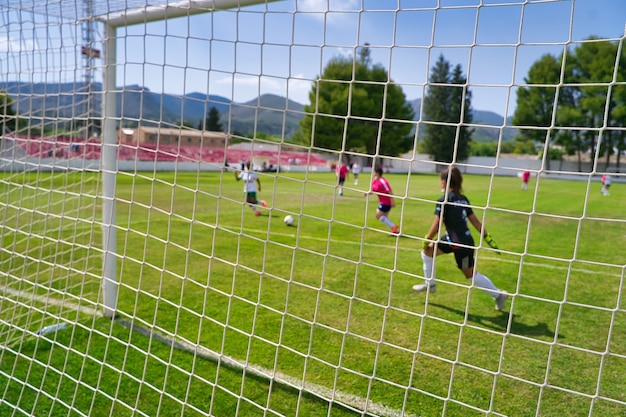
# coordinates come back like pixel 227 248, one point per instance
pixel 224 308
pixel 71 11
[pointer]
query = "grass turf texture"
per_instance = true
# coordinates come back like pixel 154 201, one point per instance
pixel 329 302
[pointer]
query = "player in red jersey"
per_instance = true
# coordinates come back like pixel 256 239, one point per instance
pixel 342 172
pixel 380 186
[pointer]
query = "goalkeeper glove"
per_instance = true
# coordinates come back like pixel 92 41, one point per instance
pixel 492 243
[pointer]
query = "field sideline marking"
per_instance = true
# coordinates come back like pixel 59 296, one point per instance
pixel 353 402
pixel 46 299
pixel 350 401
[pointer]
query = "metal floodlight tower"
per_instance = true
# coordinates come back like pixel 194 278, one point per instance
pixel 89 54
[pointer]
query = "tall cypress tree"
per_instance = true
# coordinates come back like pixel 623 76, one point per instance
pixel 8 121
pixel 462 108
pixel 212 121
pixel 446 111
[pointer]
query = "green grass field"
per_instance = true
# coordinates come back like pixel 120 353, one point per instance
pixel 327 303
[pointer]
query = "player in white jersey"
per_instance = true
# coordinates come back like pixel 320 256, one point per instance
pixel 356 170
pixel 251 184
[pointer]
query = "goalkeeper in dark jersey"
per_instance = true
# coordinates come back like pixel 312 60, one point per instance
pixel 455 210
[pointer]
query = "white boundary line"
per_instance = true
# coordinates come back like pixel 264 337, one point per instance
pixel 44 299
pixel 353 402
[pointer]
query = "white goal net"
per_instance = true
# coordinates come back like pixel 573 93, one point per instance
pixel 191 224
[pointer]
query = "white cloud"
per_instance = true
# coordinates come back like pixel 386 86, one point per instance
pixel 13 46
pixel 299 89
pixel 244 88
pixel 321 6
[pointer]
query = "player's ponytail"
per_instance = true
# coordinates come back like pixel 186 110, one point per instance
pixel 456 179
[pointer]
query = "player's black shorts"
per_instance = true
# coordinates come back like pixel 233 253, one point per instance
pixel 384 208
pixel 464 256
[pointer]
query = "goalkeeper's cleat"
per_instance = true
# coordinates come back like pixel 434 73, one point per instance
pixel 501 301
pixel 263 203
pixel 423 288
pixel 395 229
pixel 257 213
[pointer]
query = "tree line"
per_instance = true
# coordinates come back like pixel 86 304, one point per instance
pixel 576 101
pixel 571 104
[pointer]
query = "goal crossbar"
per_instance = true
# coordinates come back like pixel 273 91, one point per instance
pixel 173 10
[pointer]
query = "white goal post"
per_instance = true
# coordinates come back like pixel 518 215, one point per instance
pixel 111 22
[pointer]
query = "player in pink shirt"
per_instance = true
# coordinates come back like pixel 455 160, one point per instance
pixel 525 178
pixel 342 172
pixel 381 187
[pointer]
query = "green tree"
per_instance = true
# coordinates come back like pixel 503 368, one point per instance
pixel 354 105
pixel 491 148
pixel 447 112
pixel 8 120
pixel 572 140
pixel 588 95
pixel 212 122
pixel 484 149
pixel 592 66
pixel 462 96
pixel 617 115
pixel 537 100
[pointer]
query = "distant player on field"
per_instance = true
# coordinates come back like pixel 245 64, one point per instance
pixel 250 182
pixel 381 187
pixel 606 184
pixel 342 173
pixel 356 170
pixel 455 209
pixel 525 178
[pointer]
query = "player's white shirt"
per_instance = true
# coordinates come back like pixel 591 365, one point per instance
pixel 356 169
pixel 249 181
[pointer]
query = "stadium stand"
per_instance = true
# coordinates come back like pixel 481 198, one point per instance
pixel 64 147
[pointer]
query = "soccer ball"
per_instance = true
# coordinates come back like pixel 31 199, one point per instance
pixel 289 220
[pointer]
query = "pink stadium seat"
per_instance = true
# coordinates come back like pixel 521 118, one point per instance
pixel 64 147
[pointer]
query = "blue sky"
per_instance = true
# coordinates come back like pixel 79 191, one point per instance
pixel 282 46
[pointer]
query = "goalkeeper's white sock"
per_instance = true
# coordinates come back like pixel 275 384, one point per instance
pixel 429 269
pixel 485 283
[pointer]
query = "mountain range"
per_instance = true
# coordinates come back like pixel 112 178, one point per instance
pixel 268 113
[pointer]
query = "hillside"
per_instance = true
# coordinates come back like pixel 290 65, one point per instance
pixel 271 114
pixel 484 133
